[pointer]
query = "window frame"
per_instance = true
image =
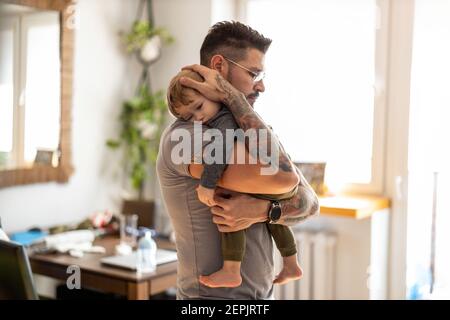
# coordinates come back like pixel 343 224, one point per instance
pixel 20 26
pixel 27 22
pixel 64 170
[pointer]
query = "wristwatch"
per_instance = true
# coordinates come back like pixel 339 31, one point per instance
pixel 274 212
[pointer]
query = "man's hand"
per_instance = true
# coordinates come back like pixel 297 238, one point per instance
pixel 236 211
pixel 215 87
pixel 206 195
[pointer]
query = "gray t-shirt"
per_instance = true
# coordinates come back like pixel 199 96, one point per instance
pixel 198 239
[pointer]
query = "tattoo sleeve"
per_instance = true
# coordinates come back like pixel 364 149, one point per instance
pixel 303 205
pixel 247 119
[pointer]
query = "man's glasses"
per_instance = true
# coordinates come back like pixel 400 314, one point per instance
pixel 257 76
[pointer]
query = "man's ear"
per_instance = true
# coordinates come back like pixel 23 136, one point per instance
pixel 219 64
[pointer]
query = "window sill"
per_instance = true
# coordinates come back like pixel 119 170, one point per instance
pixel 355 207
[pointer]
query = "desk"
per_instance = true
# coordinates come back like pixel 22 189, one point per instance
pixel 96 276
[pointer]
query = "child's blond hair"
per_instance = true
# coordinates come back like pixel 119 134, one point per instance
pixel 177 93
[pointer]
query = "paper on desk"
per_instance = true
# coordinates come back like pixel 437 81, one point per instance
pixel 76 243
pixel 77 236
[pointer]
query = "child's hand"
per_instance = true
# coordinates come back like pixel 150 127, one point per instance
pixel 206 196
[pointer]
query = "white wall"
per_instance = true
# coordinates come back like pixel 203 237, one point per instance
pixel 103 77
pixel 361 254
pixel 188 21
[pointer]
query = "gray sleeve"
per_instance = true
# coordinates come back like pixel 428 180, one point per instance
pixel 212 172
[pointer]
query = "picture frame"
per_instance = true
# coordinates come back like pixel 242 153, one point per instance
pixel 314 173
pixel 46 158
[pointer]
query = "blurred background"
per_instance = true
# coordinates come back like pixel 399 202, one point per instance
pixel 358 85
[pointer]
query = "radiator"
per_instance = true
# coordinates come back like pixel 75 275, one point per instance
pixel 317 258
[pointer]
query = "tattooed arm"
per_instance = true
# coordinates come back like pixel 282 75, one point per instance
pixel 216 88
pixel 300 207
pixel 238 211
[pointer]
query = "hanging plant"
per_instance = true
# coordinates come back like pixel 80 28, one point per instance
pixel 142 117
pixel 140 34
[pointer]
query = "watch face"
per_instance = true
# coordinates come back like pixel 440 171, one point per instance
pixel 275 213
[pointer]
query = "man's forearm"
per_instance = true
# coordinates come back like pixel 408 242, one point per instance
pixel 300 207
pixel 247 119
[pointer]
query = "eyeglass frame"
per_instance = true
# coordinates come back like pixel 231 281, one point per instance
pixel 255 75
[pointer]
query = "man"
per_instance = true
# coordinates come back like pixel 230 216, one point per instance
pixel 232 58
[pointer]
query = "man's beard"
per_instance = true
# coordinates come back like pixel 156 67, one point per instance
pixel 251 98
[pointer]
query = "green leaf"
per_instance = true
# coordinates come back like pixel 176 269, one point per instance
pixel 140 32
pixel 113 144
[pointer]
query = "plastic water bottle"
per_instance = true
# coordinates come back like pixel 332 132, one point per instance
pixel 146 253
pixel 420 283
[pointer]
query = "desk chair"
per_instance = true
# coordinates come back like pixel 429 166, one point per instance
pixel 16 279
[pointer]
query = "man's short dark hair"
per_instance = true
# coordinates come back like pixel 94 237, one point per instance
pixel 231 39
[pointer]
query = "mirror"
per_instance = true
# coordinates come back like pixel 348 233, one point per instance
pixel 35 91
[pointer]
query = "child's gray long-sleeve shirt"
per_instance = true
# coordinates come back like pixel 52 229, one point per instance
pixel 212 172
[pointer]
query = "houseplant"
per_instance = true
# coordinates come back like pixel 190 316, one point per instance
pixel 142 35
pixel 142 119
pixel 143 116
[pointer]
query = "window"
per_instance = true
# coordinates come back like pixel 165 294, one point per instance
pixel 42 102
pixel 429 155
pixel 325 84
pixel 28 76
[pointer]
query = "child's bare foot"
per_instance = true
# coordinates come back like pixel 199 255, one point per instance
pixel 291 270
pixel 227 277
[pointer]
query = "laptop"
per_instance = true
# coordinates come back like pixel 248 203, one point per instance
pixel 16 279
pixel 130 261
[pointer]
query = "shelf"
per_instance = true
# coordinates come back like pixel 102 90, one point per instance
pixel 356 207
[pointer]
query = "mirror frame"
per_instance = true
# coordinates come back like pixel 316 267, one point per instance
pixel 61 174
